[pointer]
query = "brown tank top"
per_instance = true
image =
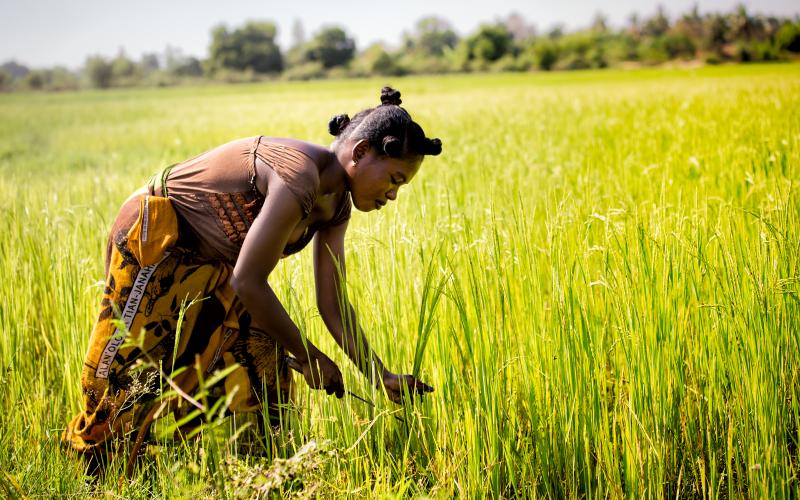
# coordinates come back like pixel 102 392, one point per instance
pixel 216 197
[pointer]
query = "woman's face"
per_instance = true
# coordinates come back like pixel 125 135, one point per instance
pixel 375 179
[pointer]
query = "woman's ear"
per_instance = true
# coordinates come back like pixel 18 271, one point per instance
pixel 360 149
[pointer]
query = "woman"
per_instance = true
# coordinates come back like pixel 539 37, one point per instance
pixel 187 266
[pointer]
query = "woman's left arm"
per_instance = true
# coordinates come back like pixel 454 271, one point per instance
pixel 340 318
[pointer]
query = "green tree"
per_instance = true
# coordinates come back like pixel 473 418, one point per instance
pixel 652 51
pixel 634 28
pixel 581 50
pixel 35 80
pixel 6 79
pixel 555 32
pixel 376 60
pixel 177 64
pixel 15 69
pixel 122 68
pixel 657 25
pixel 545 53
pixel 432 36
pixel 429 47
pixel 251 47
pixel 690 24
pixel 714 33
pixel 740 25
pixel 489 44
pixel 600 23
pixel 98 71
pixel 676 45
pixel 60 78
pixel 149 63
pixel 331 47
pixel 788 37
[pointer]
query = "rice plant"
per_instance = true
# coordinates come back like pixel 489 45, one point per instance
pixel 599 276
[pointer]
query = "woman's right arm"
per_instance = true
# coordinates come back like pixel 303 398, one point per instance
pixel 262 249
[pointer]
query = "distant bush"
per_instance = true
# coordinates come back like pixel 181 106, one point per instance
pixel 543 54
pixel 651 51
pixel 55 79
pixel 339 72
pixel 757 51
pixel 677 46
pixel 376 60
pixel 161 79
pixel 235 76
pixel 123 69
pixel 190 66
pixel 99 72
pixel 507 63
pixel 489 44
pixel 425 64
pixel 581 50
pixel 305 71
pixel 6 80
pixel 34 80
pixel 620 48
pixel 788 37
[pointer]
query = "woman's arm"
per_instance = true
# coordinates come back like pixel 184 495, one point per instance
pixel 262 248
pixel 335 309
pixel 340 317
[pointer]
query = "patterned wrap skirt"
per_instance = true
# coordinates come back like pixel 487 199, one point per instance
pixel 166 313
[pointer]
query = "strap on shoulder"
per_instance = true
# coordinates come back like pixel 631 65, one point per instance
pixel 161 177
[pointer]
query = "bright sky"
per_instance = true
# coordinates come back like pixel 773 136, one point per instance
pixel 50 32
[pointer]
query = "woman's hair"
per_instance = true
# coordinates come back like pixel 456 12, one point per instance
pixel 388 128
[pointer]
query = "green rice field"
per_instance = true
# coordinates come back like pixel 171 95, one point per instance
pixel 599 276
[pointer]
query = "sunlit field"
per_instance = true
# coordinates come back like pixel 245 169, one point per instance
pixel 599 276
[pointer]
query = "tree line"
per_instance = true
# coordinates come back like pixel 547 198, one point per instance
pixel 251 52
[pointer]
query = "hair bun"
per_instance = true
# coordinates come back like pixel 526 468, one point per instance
pixel 433 146
pixel 390 96
pixel 338 123
pixel 392 147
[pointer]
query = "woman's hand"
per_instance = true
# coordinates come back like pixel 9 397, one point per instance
pixel 321 373
pixel 398 385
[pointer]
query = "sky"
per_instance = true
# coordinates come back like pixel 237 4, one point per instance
pixel 45 33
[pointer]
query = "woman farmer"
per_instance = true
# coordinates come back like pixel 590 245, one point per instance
pixel 206 234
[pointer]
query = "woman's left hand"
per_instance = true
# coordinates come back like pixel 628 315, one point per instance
pixel 397 386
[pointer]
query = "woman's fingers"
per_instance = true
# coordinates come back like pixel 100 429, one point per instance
pixel 334 388
pixel 420 387
pixel 423 388
pixel 320 373
pixel 417 386
pixel 339 391
pixel 400 385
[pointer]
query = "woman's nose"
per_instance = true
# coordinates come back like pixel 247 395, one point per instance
pixel 392 194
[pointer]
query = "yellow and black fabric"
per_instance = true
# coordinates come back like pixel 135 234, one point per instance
pixel 150 279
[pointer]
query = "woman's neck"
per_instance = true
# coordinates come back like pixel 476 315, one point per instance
pixel 332 175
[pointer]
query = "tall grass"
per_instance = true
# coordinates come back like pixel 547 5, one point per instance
pixel 600 276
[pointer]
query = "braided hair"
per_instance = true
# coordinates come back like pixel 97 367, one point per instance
pixel 388 128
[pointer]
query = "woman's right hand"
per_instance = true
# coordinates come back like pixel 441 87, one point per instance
pixel 322 373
